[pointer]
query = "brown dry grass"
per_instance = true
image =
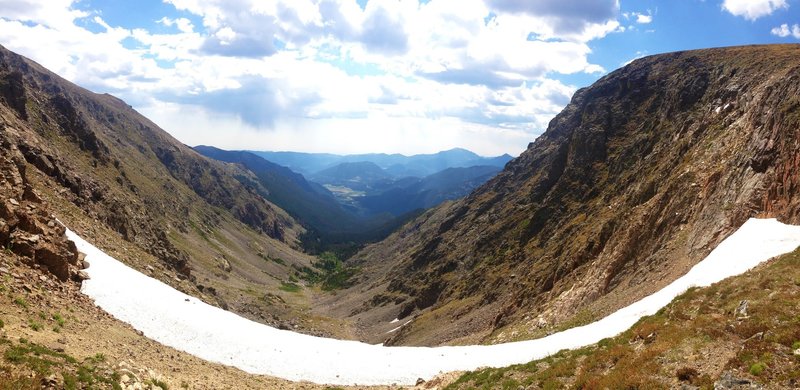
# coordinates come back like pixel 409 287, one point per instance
pixel 692 340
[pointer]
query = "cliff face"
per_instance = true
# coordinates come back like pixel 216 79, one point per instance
pixel 636 180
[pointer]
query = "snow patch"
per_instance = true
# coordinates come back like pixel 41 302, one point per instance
pixel 397 328
pixel 163 314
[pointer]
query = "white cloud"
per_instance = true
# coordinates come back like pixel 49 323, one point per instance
pixel 182 24
pixel 564 17
pixel 95 60
pixel 56 14
pixel 644 19
pixel 753 9
pixel 315 74
pixel 194 125
pixel 784 31
pixel 638 17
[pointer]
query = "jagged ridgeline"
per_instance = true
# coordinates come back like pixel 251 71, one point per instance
pixel 637 179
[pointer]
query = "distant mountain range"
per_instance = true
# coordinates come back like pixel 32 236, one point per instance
pixel 364 176
pixel 309 201
pixel 398 165
pixel 413 193
pixel 351 203
pixel 358 201
pixel 327 221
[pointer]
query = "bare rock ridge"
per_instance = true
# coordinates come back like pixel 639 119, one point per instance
pixel 636 180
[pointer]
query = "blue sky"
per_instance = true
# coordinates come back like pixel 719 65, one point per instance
pixel 349 76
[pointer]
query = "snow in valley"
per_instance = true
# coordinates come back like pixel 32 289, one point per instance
pixel 185 323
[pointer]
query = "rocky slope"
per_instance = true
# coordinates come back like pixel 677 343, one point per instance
pixel 54 337
pixel 122 182
pixel 632 183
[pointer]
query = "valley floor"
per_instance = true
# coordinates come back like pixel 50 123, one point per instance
pixel 185 323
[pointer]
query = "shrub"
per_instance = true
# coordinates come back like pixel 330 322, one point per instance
pixel 21 302
pixel 757 368
pixel 686 374
pixel 289 287
pixel 60 321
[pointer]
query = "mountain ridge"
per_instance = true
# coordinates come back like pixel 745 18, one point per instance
pixel 350 203
pixel 397 164
pixel 118 179
pixel 630 185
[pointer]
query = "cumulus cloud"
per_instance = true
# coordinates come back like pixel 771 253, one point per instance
pixel 182 24
pixel 56 14
pixel 469 73
pixel 473 76
pixel 383 29
pixel 567 16
pixel 638 17
pixel 753 9
pixel 784 31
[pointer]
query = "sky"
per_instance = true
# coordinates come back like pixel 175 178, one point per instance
pixel 358 76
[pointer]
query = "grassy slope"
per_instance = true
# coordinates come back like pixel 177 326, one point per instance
pixel 694 340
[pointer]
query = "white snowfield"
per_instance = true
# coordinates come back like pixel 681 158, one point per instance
pixel 165 315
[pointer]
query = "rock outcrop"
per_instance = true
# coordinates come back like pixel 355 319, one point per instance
pixel 26 226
